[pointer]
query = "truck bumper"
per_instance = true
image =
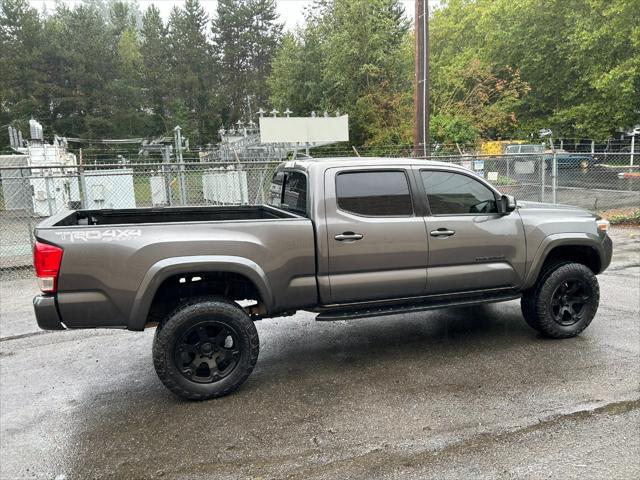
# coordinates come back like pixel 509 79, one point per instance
pixel 47 313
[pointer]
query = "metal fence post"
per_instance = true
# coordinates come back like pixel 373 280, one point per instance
pixel 47 183
pixel 84 196
pixel 554 176
pixel 30 211
pixel 178 142
pixel 27 190
pixel 166 173
pixel 543 174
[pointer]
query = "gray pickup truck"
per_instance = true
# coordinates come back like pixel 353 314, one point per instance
pixel 346 238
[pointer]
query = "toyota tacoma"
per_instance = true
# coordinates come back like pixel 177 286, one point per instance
pixel 345 238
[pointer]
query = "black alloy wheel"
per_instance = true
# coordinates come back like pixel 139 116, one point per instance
pixel 207 352
pixel 569 300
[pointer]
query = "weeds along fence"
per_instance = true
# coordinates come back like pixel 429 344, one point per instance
pixel 30 194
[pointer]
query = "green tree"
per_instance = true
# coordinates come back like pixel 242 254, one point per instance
pixel 80 63
pixel 296 79
pixel 353 56
pixel 193 70
pixel 363 42
pixel 246 35
pixel 122 16
pixel 610 35
pixel 22 77
pixel 126 90
pixel 156 67
pixel 579 59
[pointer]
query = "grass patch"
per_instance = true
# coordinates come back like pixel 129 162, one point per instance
pixel 626 216
pixel 504 180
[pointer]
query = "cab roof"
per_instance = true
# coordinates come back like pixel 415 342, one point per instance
pixel 308 164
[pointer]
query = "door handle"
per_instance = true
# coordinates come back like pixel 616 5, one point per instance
pixel 348 237
pixel 442 232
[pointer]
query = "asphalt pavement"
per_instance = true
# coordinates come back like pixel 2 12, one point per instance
pixel 461 393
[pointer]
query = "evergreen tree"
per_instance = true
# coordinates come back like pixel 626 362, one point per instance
pixel 263 36
pixel 22 77
pixel 499 68
pixel 246 35
pixel 193 70
pixel 156 68
pixel 122 16
pixel 80 63
pixel 126 90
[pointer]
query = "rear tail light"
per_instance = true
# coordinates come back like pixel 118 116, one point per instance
pixel 46 260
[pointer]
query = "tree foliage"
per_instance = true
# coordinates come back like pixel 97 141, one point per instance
pixel 352 57
pixel 575 63
pixel 499 68
pixel 246 34
pixel 101 69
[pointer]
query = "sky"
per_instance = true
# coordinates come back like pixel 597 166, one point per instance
pixel 291 11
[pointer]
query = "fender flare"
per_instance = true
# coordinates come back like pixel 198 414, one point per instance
pixel 166 268
pixel 557 240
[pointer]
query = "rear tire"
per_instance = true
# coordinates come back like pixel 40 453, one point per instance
pixel 205 349
pixel 563 302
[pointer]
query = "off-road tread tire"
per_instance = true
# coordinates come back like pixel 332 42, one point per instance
pixel 528 300
pixel 537 305
pixel 163 364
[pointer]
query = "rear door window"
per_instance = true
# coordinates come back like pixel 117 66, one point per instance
pixel 294 193
pixel 374 194
pixel 288 191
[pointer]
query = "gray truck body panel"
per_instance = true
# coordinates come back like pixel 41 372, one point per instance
pixel 110 272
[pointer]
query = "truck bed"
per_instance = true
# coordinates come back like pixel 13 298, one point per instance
pixel 112 257
pixel 136 216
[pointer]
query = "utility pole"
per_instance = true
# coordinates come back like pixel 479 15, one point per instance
pixel 421 82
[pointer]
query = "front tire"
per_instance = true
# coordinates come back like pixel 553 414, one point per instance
pixel 564 301
pixel 528 307
pixel 205 349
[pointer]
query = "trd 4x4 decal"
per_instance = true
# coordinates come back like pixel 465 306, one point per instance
pixel 114 234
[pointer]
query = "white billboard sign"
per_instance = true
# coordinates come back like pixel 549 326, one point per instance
pixel 304 129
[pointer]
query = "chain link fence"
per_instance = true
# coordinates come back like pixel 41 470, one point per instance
pixel 29 194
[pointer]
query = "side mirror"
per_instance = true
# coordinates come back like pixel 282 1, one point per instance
pixel 507 204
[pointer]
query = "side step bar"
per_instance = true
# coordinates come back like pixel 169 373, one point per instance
pixel 379 311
